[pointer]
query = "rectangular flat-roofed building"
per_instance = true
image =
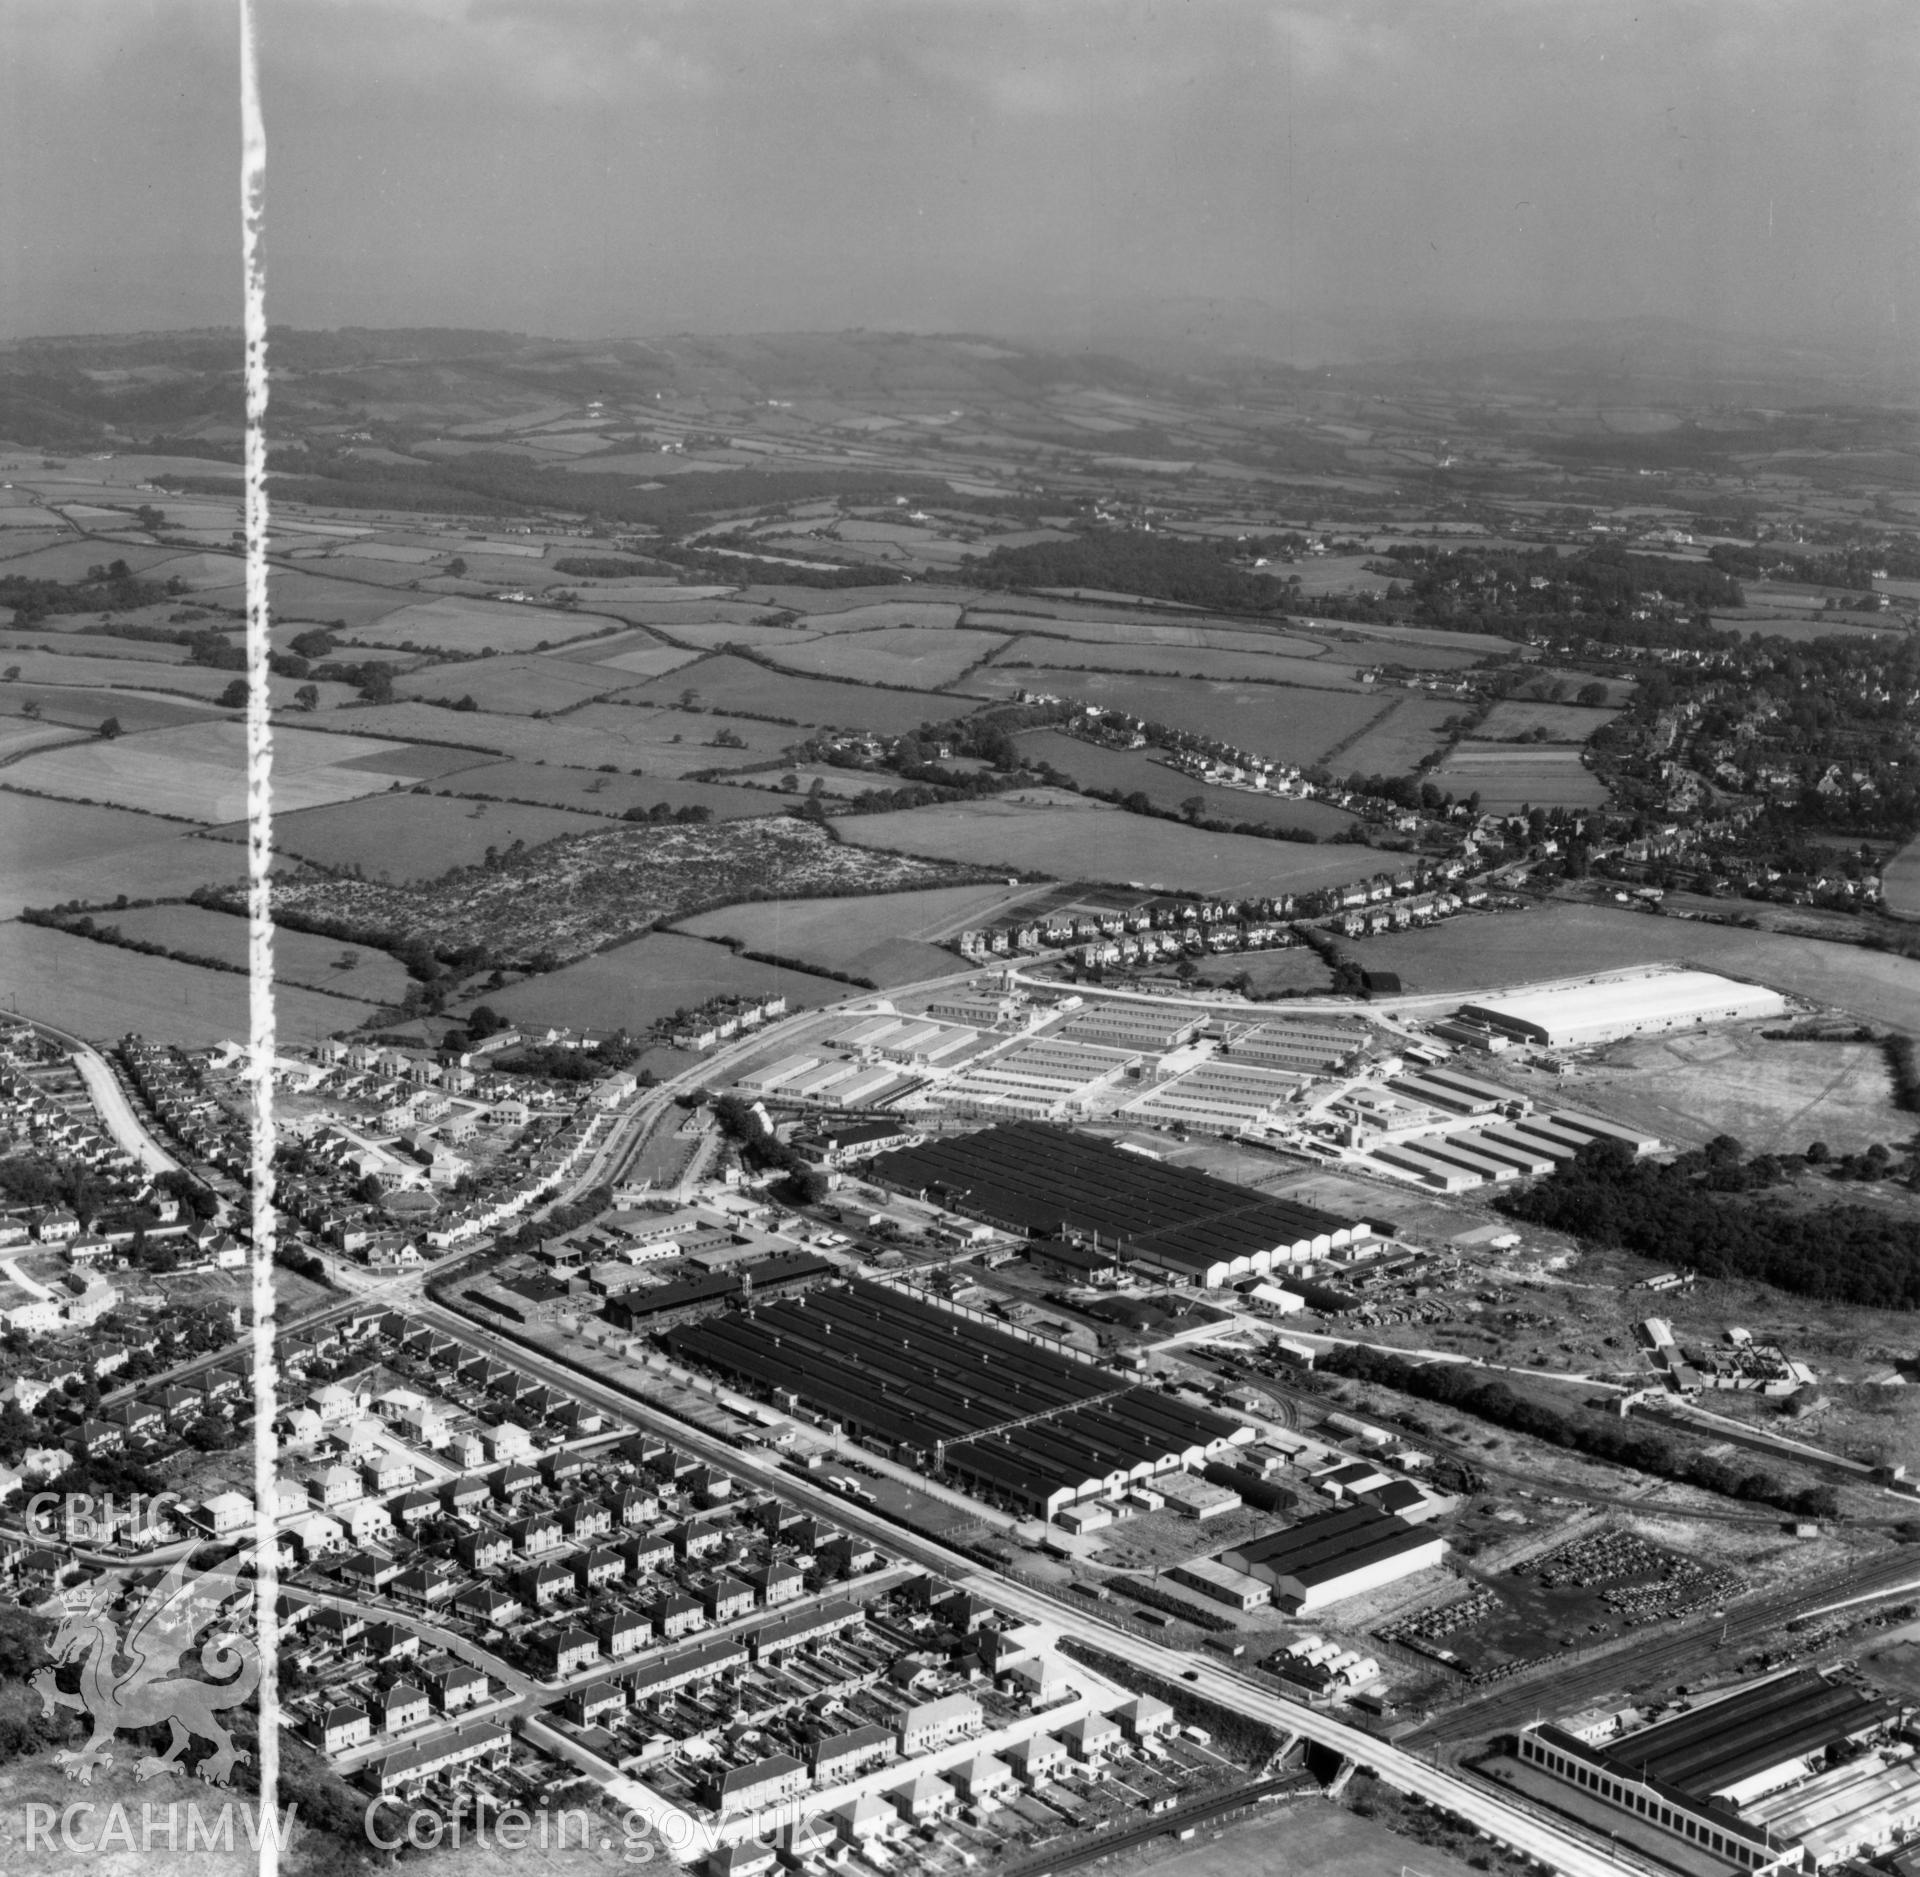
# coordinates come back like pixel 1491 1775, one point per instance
pixel 1339 1554
pixel 1622 1007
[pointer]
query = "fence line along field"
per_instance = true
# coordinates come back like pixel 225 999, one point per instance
pixel 636 984
pixel 1395 745
pixel 1283 723
pixel 101 992
pixel 1071 838
pixel 725 683
pixel 316 964
pixel 594 792
pixel 709 636
pixel 1507 775
pixel 909 656
pixel 888 615
pixel 892 938
pixel 451 624
pixel 52 852
pixel 1094 766
pixel 198 771
pixel 409 837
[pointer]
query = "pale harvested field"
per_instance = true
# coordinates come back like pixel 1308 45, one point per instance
pixel 1509 776
pixel 1072 838
pixel 1773 1097
pixel 18 735
pixel 51 852
pixel 199 770
pixel 298 957
pixel 911 657
pixel 1483 952
pixel 1395 745
pixel 101 992
pixel 467 626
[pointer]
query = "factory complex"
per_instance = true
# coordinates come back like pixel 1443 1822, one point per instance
pixel 1797 1772
pixel 1041 1180
pixel 1017 1420
pixel 1615 1008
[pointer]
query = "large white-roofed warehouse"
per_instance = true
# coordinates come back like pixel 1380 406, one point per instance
pixel 1613 1008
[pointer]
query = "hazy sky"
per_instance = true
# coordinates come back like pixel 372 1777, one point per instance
pixel 628 166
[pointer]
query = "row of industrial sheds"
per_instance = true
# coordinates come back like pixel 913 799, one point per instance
pixel 1613 1008
pixel 1013 1418
pixel 1044 1180
pixel 1772 1776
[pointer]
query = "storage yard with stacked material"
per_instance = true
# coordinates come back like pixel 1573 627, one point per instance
pixel 1010 1417
pixel 1030 1177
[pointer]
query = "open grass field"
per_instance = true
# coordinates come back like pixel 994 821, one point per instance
pixel 1485 952
pixel 18 735
pixel 407 838
pixel 519 686
pixel 1269 974
pixel 1279 667
pixel 725 683
pixel 298 957
pixel 76 707
pixel 195 683
pixel 1087 627
pixel 643 659
pixel 96 645
pixel 69 560
pixel 1900 882
pixel 1774 1097
pixel 1513 718
pixel 663 740
pixel 888 615
pixel 199 770
pixel 1279 722
pixel 1507 775
pixel 595 793
pixel 709 635
pixel 697 622
pixel 1318 1837
pixel 51 852
pixel 1127 770
pixel 101 992
pixel 1395 745
pixel 889 938
pixel 449 624
pixel 915 658
pixel 638 983
pixel 1072 838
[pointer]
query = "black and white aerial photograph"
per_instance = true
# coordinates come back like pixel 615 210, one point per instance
pixel 960 938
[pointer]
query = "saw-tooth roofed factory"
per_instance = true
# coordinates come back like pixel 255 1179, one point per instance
pixel 1794 1772
pixel 1012 1419
pixel 1042 1180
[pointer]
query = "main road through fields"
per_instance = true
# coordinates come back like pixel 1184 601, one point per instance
pixel 1558 1843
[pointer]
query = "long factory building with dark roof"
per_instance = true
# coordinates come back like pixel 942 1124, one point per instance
pixel 1028 1176
pixel 1008 1417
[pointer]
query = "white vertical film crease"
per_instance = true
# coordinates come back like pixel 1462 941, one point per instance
pixel 260 980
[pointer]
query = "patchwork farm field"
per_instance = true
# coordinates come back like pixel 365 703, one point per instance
pixel 891 939
pixel 1506 776
pixel 701 636
pixel 101 992
pixel 451 624
pixel 1095 767
pixel 595 793
pixel 52 852
pixel 75 707
pixel 667 741
pixel 1513 718
pixel 724 683
pixel 1254 665
pixel 908 656
pixel 192 683
pixel 1395 745
pixel 520 687
pixel 198 771
pixel 298 957
pixel 19 735
pixel 887 615
pixel 1485 952
pixel 407 838
pixel 1280 722
pixel 1071 838
pixel 638 983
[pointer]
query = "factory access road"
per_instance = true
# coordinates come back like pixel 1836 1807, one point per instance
pixel 1555 1843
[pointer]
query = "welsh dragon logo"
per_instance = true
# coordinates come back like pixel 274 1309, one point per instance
pixel 134 1681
